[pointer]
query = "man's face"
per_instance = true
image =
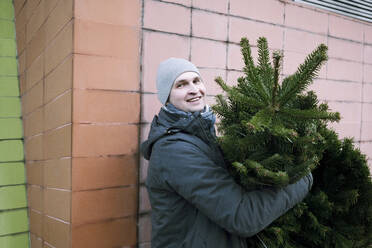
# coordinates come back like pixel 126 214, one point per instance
pixel 188 92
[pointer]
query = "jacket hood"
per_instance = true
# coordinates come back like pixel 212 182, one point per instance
pixel 171 120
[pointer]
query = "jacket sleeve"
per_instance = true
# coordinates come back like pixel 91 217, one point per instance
pixel 212 190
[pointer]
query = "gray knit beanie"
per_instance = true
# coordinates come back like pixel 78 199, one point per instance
pixel 168 71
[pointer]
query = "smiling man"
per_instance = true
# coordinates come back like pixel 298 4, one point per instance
pixel 195 201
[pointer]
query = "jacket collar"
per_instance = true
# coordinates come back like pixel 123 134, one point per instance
pixel 171 120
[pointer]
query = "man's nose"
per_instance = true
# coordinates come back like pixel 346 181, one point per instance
pixel 193 88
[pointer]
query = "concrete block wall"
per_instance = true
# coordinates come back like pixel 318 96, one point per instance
pixel 14 224
pixel 208 34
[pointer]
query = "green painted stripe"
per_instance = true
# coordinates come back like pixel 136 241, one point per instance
pixel 15 241
pixel 14 221
pixel 8 65
pixel 12 173
pixel 11 128
pixel 6 10
pixel 10 107
pixel 13 197
pixel 7 46
pixel 9 86
pixel 11 150
pixel 7 29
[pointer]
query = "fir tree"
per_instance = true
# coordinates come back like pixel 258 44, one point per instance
pixel 269 138
pixel 274 134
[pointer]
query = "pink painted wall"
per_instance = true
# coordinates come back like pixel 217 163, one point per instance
pixel 208 32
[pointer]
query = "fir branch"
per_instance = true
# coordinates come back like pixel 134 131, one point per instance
pixel 308 114
pixel 304 75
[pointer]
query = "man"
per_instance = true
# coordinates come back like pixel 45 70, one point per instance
pixel 195 201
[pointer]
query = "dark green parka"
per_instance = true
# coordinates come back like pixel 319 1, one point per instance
pixel 195 201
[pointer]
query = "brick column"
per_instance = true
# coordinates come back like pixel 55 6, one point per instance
pixel 79 83
pixel 106 112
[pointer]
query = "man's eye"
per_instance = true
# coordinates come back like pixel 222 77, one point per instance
pixel 179 86
pixel 196 81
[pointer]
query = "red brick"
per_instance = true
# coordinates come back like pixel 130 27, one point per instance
pixel 252 30
pixel 61 14
pixel 36 46
pixel 367 92
pixel 345 28
pixel 235 57
pixel 32 123
pixel 209 76
pixel 35 197
pixel 91 38
pixel 103 172
pixel 92 106
pixel 182 2
pixel 145 130
pixel 56 232
pixel 366 134
pixel 156 48
pixel 58 80
pixel 368 54
pixel 59 48
pixel 367 110
pixel 144 201
pixel 58 112
pixel 206 53
pixel 150 107
pixel 366 148
pixel 112 233
pixel 33 99
pixel 265 10
pixel 112 11
pixel 344 70
pixel 144 165
pixel 337 91
pixel 167 17
pixel 35 72
pixel 345 49
pixel 57 173
pixel 308 41
pixel 36 222
pixel 104 140
pixel 209 25
pixel 34 148
pixel 57 143
pixel 96 72
pixel 57 203
pixel 18 6
pixel 144 228
pixel 306 18
pixel 218 6
pixel 367 75
pixel 368 33
pixel 93 206
pixel 35 21
pixel 292 60
pixel 232 77
pixel 35 241
pixel 35 172
pixel 346 129
pixel 350 112
pixel 30 6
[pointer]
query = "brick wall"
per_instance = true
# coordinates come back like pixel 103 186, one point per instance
pixel 208 33
pixel 79 80
pixel 106 115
